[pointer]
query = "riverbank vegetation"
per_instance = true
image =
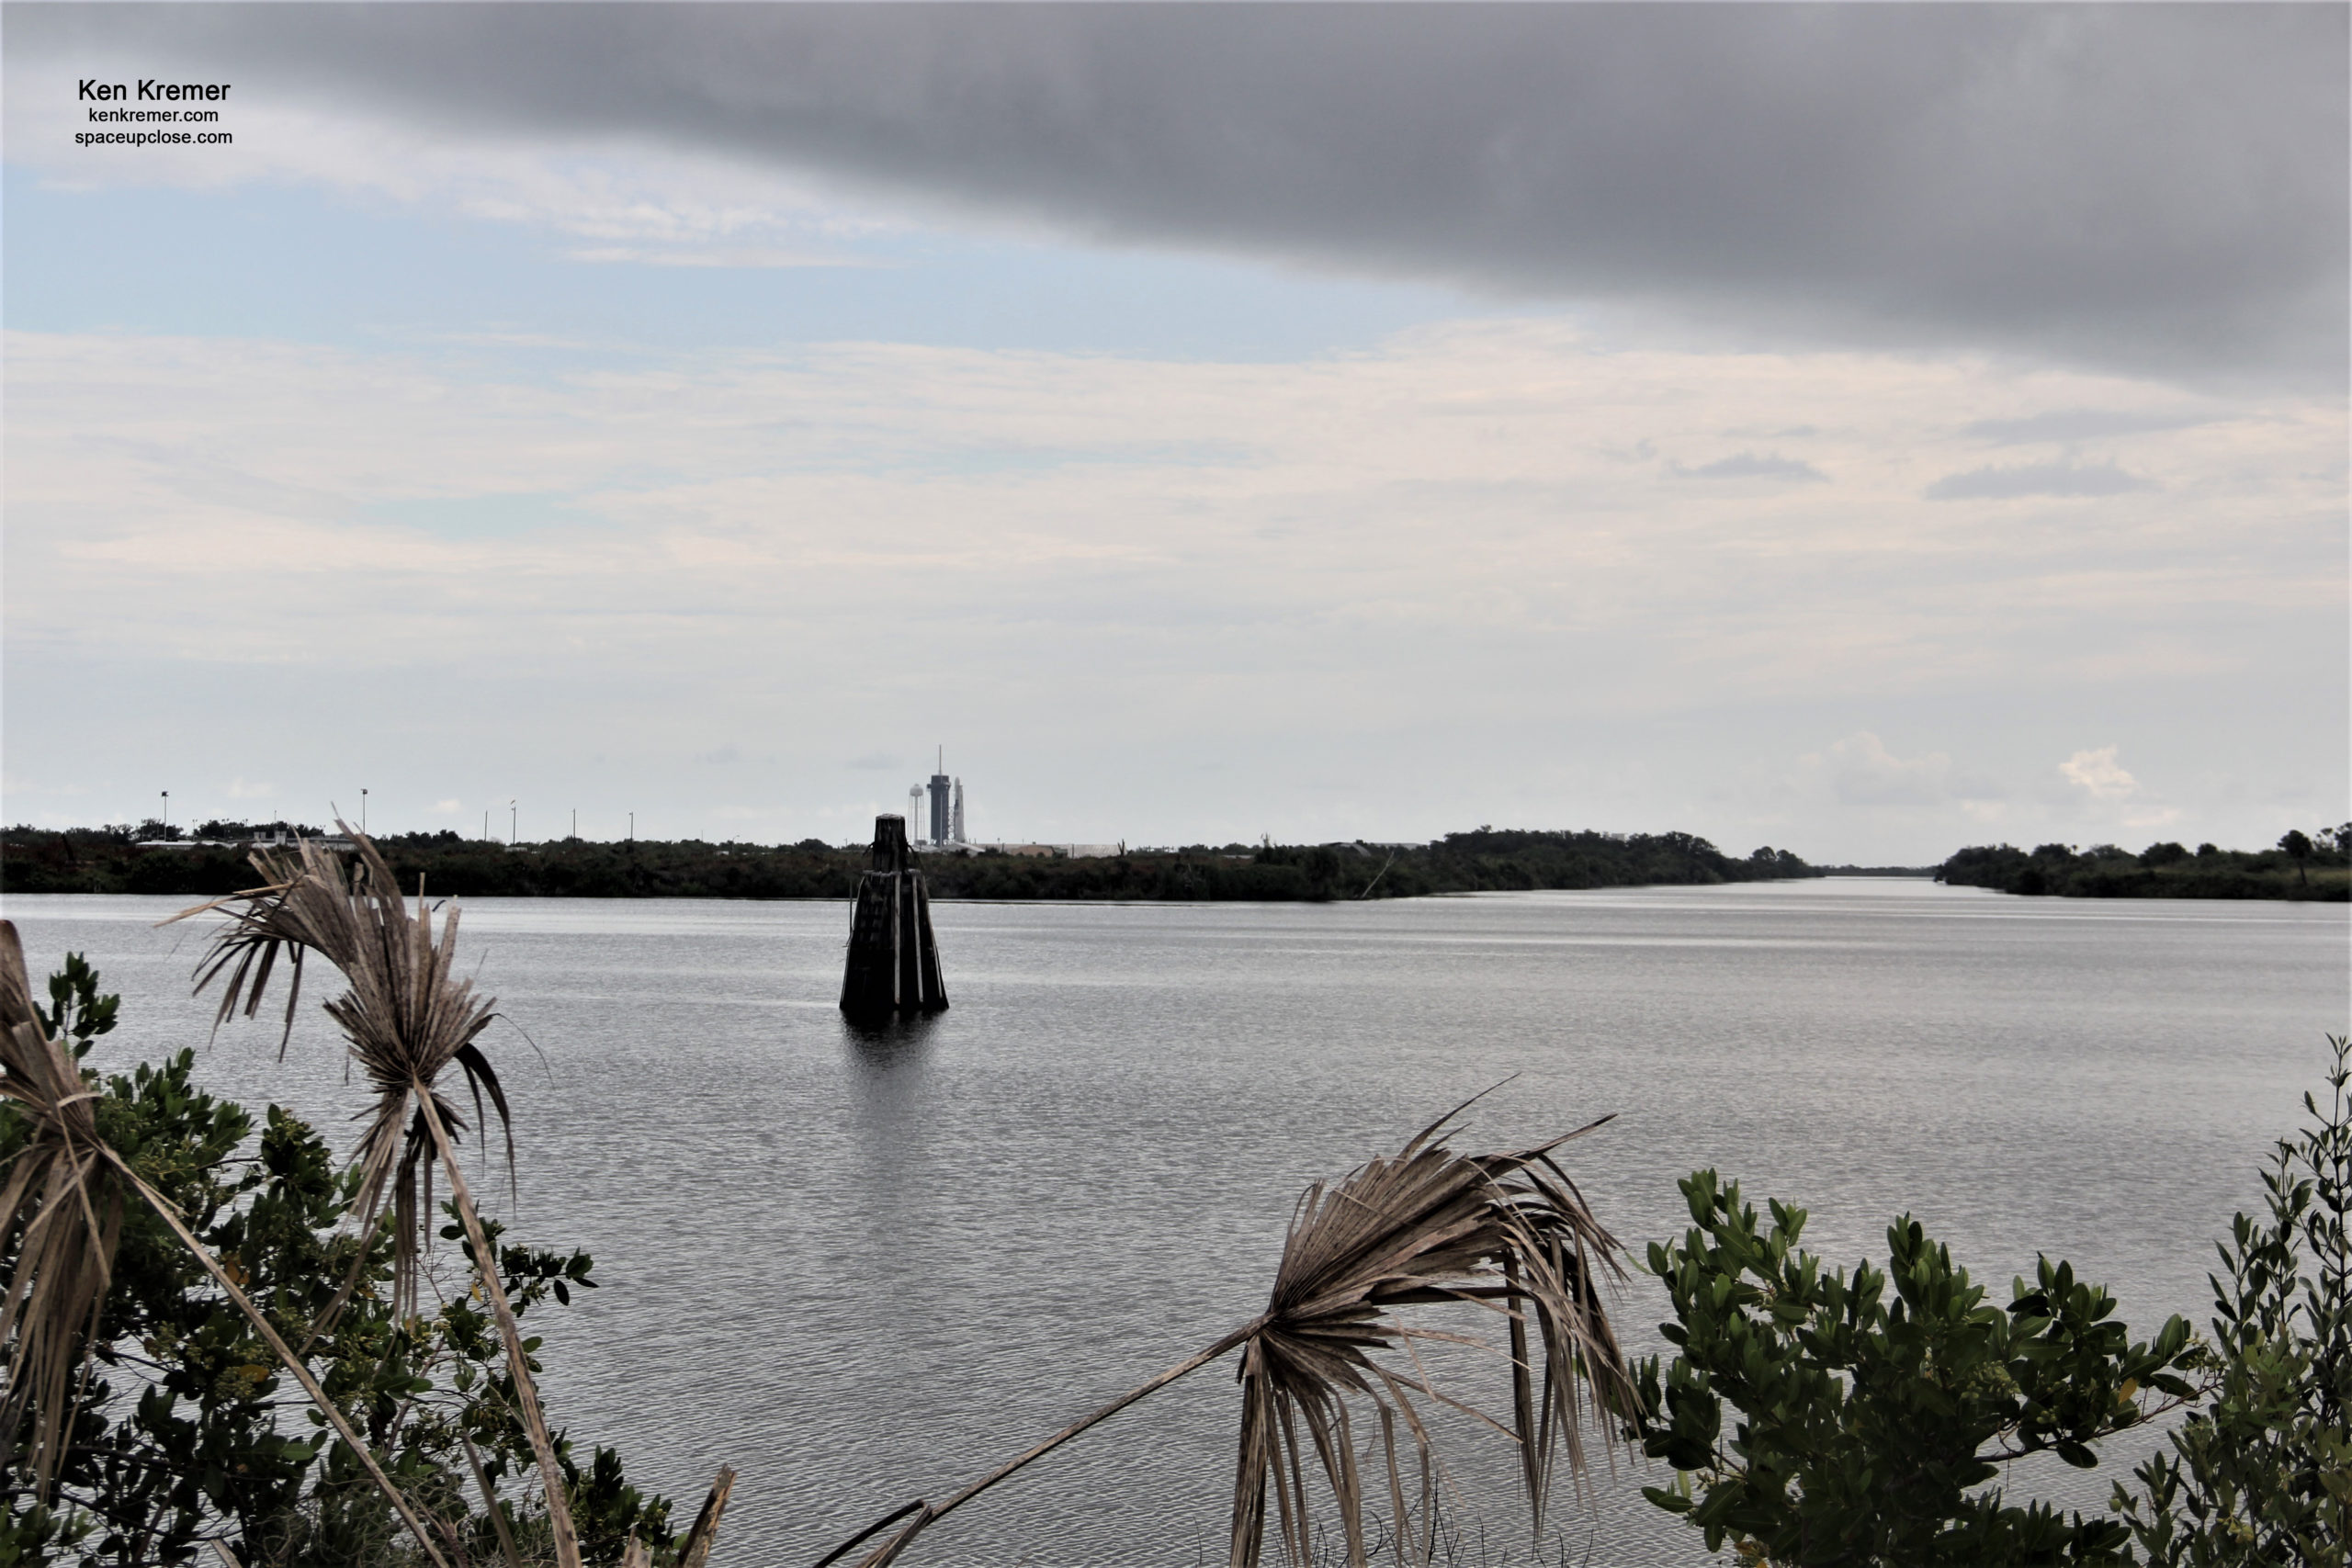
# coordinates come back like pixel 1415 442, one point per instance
pixel 152 859
pixel 2301 865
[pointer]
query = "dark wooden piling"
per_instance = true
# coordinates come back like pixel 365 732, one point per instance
pixel 893 959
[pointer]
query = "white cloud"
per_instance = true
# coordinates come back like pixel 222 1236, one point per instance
pixel 724 258
pixel 1466 527
pixel 2116 796
pixel 241 790
pixel 2099 773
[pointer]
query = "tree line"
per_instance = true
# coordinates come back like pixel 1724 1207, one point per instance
pixel 120 859
pixel 2301 865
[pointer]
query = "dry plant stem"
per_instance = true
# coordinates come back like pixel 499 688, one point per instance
pixel 1532 1456
pixel 326 1407
pixel 534 1425
pixel 696 1551
pixel 925 1513
pixel 490 1500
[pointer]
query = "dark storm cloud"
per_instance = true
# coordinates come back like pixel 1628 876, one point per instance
pixel 2153 187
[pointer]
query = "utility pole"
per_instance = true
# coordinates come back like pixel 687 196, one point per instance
pixel 575 822
pixel 513 838
pixel 485 824
pixel 632 827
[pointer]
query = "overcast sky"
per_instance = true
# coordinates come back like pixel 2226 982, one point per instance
pixel 1864 430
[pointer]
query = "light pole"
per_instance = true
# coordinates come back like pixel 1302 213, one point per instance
pixel 575 822
pixel 167 810
pixel 363 809
pixel 512 837
pixel 632 827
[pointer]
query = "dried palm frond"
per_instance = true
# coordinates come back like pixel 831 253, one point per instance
pixel 1506 1232
pixel 1509 1232
pixel 406 1018
pixel 61 1203
pixel 64 1202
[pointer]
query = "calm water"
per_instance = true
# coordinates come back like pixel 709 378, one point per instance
pixel 865 1270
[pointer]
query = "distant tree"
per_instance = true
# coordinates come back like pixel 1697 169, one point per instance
pixel 2208 851
pixel 2163 854
pixel 2297 849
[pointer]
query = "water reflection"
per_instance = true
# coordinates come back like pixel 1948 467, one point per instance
pixel 880 1047
pixel 887 1100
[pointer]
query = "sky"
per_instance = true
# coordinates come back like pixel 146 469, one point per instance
pixel 1861 430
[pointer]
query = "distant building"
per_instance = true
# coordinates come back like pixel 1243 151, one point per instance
pixel 1052 852
pixel 939 785
pixel 279 838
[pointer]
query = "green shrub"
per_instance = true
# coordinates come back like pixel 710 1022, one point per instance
pixel 2261 1472
pixel 1867 1427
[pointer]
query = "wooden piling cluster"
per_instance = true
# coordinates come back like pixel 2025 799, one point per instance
pixel 893 959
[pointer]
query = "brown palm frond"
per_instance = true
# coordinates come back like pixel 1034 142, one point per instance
pixel 61 1202
pixel 1509 1233
pixel 406 1018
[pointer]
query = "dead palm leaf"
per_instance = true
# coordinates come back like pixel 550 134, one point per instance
pixel 63 1202
pixel 1509 1233
pixel 406 1017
